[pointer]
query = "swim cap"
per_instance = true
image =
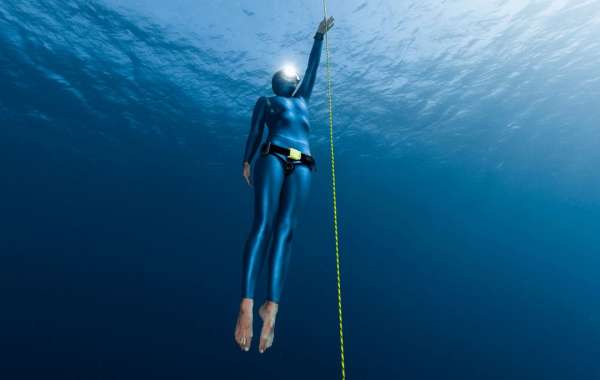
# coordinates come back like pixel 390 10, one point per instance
pixel 285 82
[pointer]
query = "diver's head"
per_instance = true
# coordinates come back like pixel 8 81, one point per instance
pixel 285 81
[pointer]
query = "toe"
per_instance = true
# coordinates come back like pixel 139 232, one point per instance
pixel 238 337
pixel 265 339
pixel 247 340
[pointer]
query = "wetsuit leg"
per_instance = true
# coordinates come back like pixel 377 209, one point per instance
pixel 293 197
pixel 268 179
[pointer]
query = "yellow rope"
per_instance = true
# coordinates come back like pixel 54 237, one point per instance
pixel 335 222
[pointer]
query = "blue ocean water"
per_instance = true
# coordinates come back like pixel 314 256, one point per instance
pixel 468 191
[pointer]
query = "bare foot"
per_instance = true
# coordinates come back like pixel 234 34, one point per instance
pixel 243 329
pixel 268 313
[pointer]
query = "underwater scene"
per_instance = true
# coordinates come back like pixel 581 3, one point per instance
pixel 467 152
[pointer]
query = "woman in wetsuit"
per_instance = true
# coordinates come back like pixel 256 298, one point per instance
pixel 281 180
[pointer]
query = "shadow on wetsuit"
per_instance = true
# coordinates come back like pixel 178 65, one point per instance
pixel 279 195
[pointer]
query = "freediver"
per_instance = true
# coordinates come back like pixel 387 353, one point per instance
pixel 281 180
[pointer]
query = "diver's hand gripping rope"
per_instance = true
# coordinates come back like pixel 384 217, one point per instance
pixel 335 223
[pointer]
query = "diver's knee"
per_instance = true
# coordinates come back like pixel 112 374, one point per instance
pixel 286 228
pixel 263 227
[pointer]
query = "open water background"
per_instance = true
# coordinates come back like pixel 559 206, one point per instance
pixel 468 189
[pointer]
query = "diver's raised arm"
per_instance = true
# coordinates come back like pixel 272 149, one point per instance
pixel 308 81
pixel 257 127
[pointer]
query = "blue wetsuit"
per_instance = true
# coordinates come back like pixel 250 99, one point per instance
pixel 278 196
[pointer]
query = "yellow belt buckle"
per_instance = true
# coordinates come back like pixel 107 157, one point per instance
pixel 295 154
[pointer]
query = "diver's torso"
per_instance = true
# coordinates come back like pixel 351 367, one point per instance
pixel 287 119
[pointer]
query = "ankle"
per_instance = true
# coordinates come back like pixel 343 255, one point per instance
pixel 271 306
pixel 246 304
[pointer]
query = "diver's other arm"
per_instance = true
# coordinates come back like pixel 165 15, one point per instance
pixel 314 58
pixel 257 127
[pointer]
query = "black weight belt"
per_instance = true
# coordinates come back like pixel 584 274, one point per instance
pixel 293 157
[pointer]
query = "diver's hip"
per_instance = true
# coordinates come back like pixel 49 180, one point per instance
pixel 299 144
pixel 289 157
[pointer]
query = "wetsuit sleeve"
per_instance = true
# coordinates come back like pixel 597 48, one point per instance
pixel 310 76
pixel 257 127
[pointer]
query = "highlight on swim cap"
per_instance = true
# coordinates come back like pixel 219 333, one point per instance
pixel 285 81
pixel 290 72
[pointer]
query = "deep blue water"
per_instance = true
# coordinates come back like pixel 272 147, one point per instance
pixel 468 191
